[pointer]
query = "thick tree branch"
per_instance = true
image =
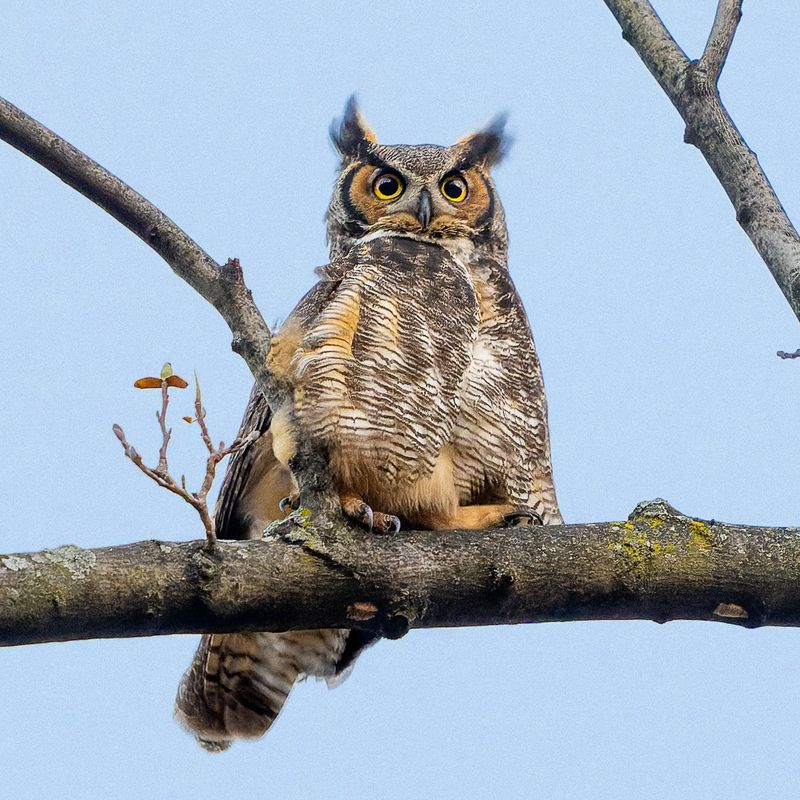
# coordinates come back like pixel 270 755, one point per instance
pixel 222 286
pixel 692 88
pixel 659 565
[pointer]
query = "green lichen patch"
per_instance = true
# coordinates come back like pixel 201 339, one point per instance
pixel 700 537
pixel 636 547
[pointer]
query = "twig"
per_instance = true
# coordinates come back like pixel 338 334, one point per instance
pixel 726 20
pixel 162 468
pixel 199 499
pixel 201 417
pixel 782 354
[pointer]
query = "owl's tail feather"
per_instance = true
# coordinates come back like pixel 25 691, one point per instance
pixel 235 687
pixel 238 682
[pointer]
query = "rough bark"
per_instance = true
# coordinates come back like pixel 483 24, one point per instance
pixel 659 565
pixel 692 88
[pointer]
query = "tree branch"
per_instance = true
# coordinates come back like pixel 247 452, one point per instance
pixel 726 20
pixel 659 565
pixel 692 88
pixel 222 286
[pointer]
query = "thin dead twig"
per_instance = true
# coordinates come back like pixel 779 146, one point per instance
pixel 161 475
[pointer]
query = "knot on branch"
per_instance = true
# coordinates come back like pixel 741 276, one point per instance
pixel 658 508
pixel 298 530
pixel 205 565
pixel 231 271
pixel 501 583
pixel 395 626
pixel 700 535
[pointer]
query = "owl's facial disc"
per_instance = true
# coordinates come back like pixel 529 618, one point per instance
pixel 446 200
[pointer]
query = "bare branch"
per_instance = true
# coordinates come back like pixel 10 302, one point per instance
pixel 658 565
pixel 199 499
pixel 726 20
pixel 200 414
pixel 692 88
pixel 784 355
pixel 166 433
pixel 163 479
pixel 223 287
pixel 643 29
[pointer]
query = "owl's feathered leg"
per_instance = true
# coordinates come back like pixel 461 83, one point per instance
pixel 475 516
pixel 483 516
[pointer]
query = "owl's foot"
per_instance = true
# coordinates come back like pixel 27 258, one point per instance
pixel 521 518
pixel 376 521
pixel 290 503
pixel 385 523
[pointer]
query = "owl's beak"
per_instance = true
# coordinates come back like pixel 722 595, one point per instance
pixel 425 209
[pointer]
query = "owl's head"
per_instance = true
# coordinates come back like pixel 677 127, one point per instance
pixel 424 190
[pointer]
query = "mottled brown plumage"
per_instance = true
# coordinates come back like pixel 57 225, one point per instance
pixel 411 363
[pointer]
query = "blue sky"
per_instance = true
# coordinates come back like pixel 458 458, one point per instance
pixel 655 320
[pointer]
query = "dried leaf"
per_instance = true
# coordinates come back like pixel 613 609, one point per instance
pixel 147 383
pixel 190 420
pixel 166 370
pixel 176 381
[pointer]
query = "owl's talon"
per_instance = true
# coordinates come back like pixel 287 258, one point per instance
pixel 289 503
pixel 385 523
pixel 375 521
pixel 356 509
pixel 522 518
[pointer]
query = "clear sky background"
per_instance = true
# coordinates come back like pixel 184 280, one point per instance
pixel 656 322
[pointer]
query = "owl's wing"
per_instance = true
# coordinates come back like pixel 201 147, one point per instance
pixel 248 467
pixel 256 481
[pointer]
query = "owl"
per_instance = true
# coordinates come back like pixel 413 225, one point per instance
pixel 411 364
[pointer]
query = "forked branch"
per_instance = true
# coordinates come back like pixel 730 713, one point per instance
pixel 692 88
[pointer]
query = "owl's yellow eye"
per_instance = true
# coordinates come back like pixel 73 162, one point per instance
pixel 454 188
pixel 387 186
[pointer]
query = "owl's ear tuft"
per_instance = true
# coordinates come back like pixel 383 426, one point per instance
pixel 487 146
pixel 351 135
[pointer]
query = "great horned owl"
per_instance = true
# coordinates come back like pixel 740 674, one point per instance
pixel 411 364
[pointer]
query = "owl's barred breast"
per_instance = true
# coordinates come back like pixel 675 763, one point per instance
pixel 417 374
pixel 378 369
